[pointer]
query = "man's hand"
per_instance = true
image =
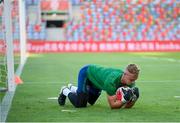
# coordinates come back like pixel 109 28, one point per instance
pixel 135 96
pixel 113 102
pixel 128 94
pixel 135 91
pixel 124 94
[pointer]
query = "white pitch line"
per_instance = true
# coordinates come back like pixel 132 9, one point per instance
pixel 52 98
pixel 177 97
pixel 68 110
pixel 158 81
pixel 162 59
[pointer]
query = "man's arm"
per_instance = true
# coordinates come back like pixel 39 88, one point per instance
pixel 129 104
pixel 114 103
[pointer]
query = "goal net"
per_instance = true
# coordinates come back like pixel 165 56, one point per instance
pixel 12 43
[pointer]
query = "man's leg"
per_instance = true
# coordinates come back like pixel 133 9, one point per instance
pixel 62 97
pixel 82 77
pixel 93 93
pixel 80 98
pixel 72 88
pixel 77 99
pixel 92 97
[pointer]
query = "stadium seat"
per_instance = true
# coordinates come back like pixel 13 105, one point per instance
pixel 146 17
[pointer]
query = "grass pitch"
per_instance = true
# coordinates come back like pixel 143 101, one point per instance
pixel 44 74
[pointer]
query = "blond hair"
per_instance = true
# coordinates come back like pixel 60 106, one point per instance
pixel 133 68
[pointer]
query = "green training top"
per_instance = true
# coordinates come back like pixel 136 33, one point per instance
pixel 107 79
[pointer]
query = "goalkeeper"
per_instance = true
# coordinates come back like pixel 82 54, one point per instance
pixel 92 79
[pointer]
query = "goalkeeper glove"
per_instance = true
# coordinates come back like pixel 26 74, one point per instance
pixel 128 94
pixel 135 91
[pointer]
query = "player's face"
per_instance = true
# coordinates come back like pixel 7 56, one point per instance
pixel 128 77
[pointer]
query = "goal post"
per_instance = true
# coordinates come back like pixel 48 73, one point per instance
pixel 14 31
pixel 12 49
pixel 22 21
pixel 22 36
pixel 9 45
pixel 12 42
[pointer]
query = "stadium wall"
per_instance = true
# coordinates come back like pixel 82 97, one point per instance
pixel 131 46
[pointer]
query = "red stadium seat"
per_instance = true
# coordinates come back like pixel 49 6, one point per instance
pixel 63 5
pixel 45 5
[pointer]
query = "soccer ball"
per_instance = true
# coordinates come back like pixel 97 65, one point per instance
pixel 120 93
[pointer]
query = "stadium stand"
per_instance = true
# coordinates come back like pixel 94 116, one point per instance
pixel 48 11
pixel 76 2
pixel 126 20
pixel 35 30
pixel 59 5
pixel 98 25
pixel 108 20
pixel 15 23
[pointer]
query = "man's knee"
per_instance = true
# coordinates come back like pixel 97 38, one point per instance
pixel 93 93
pixel 93 97
pixel 78 99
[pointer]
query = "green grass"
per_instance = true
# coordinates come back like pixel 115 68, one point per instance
pixel 44 74
pixel 3 77
pixel 2 90
pixel 3 74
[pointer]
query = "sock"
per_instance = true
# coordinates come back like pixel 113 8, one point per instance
pixel 66 91
pixel 73 89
